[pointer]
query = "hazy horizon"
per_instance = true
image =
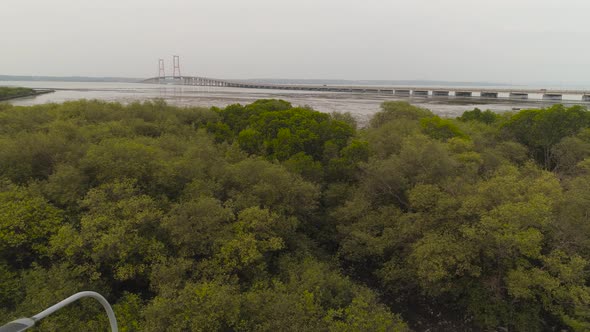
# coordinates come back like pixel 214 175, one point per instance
pixel 508 42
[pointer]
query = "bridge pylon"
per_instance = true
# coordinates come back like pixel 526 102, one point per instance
pixel 176 64
pixel 161 71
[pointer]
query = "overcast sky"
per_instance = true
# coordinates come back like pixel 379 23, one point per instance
pixel 510 41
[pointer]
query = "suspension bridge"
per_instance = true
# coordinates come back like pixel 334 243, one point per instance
pixel 397 91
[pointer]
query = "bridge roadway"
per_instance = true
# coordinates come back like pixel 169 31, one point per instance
pixel 459 92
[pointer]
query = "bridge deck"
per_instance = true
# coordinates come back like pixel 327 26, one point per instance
pixel 206 81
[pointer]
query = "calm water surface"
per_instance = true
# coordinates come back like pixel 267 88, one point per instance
pixel 361 106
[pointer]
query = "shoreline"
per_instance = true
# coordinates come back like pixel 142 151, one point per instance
pixel 36 92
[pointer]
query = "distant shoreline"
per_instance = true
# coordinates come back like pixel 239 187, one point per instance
pixel 256 80
pixel 17 78
pixel 381 82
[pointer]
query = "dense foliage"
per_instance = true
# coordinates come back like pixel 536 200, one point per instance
pixel 13 92
pixel 272 217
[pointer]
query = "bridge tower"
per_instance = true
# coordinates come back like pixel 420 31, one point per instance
pixel 161 71
pixel 176 63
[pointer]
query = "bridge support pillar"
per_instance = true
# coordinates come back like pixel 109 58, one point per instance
pixel 552 96
pixel 405 93
pixel 440 93
pixel 586 98
pixel 519 95
pixel 463 94
pixel 489 95
pixel 420 93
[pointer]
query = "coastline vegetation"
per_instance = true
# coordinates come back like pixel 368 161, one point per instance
pixel 267 217
pixel 7 93
pixel 14 92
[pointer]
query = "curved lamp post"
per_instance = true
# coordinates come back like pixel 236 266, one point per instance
pixel 26 323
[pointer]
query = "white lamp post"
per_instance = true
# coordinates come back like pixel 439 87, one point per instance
pixel 26 323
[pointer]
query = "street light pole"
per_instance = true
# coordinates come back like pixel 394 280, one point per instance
pixel 26 323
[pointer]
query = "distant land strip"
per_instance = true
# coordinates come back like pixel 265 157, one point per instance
pixel 257 80
pixel 21 94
